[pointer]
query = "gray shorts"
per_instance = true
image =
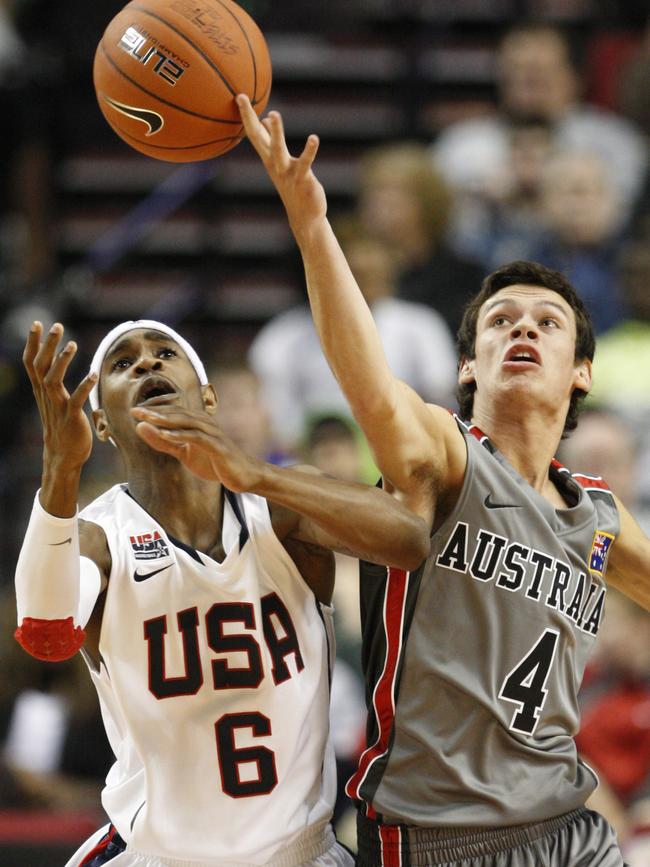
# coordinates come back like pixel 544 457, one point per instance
pixel 581 838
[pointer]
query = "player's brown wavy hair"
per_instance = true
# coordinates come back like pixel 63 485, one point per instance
pixel 527 274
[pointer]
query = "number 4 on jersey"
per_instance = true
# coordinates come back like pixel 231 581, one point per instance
pixel 525 685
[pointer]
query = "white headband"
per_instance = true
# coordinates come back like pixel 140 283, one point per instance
pixel 151 325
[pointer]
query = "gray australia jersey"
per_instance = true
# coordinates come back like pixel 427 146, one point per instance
pixel 473 662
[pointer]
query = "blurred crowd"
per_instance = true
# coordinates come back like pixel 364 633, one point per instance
pixel 556 172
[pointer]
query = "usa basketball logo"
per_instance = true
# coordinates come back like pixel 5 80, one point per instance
pixel 149 546
pixel 599 550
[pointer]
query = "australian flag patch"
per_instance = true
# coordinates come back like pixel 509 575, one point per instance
pixel 149 546
pixel 599 550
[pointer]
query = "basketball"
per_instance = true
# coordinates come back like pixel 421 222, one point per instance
pixel 166 74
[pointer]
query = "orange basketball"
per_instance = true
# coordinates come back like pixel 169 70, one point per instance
pixel 167 72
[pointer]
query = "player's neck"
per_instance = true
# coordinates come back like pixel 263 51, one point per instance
pixel 187 507
pixel 528 441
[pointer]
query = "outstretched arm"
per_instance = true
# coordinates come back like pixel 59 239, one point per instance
pixel 67 435
pixel 629 560
pixel 63 563
pixel 346 517
pixel 404 433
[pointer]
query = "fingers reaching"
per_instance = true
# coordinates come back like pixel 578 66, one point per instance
pixel 161 440
pixel 47 368
pixel 61 362
pixel 267 135
pixel 174 419
pixel 309 152
pixel 82 392
pixel 258 136
pixel 47 351
pixel 275 126
pixel 32 345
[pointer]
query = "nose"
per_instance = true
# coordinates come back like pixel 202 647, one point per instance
pixel 146 364
pixel 524 328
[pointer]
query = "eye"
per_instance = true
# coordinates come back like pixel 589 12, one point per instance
pixel 121 363
pixel 499 320
pixel 549 322
pixel 166 352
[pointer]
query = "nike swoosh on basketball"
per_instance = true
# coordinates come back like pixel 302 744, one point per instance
pixel 154 121
pixel 138 577
pixel 489 504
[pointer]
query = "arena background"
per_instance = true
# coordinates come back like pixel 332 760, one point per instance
pixel 92 233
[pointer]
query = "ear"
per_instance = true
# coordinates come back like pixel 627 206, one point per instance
pixel 102 429
pixel 583 377
pixel 466 373
pixel 210 399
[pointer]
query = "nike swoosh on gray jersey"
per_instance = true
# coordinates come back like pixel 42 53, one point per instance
pixel 154 121
pixel 487 502
pixel 65 542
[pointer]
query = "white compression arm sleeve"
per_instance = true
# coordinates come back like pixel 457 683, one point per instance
pixel 53 581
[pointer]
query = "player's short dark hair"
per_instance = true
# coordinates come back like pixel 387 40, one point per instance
pixel 526 274
pixel 329 428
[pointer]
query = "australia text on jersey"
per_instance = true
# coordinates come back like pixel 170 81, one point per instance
pixel 519 568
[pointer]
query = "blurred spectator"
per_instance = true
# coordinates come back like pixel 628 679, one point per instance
pixel 334 445
pixel 615 696
pixel 622 360
pixel 537 78
pixel 635 103
pixel 405 203
pixel 54 747
pixel 296 380
pixel 605 444
pixel 637 850
pixel 583 224
pixel 634 86
pixel 615 732
pixel 242 413
pixel 506 224
pixel 26 179
pixel 623 356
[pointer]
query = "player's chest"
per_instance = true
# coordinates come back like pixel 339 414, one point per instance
pixel 195 625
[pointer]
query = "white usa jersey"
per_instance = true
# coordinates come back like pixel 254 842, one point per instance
pixel 214 688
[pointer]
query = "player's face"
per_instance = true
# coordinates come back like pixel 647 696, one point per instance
pixel 145 368
pixel 525 352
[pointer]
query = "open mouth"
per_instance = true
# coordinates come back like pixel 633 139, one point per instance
pixel 522 354
pixel 155 389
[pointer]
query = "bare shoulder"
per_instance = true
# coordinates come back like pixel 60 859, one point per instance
pixel 94 545
pixel 440 452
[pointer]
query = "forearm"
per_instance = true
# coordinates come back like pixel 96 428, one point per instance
pixel 629 560
pixel 56 588
pixel 344 323
pixel 59 491
pixel 354 518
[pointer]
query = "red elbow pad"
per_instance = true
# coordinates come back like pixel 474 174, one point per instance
pixel 50 640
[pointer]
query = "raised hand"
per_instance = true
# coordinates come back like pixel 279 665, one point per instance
pixel 67 434
pixel 301 192
pixel 196 440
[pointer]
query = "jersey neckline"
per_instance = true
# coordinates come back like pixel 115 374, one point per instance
pixel 571 491
pixel 195 554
